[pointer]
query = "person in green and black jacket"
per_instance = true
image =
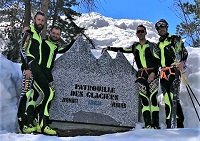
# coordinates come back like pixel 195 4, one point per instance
pixel 147 78
pixel 43 74
pixel 30 46
pixel 41 68
pixel 173 56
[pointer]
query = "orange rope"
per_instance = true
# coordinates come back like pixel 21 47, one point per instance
pixel 163 74
pixel 144 69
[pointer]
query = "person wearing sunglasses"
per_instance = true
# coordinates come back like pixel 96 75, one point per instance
pixel 173 56
pixel 147 77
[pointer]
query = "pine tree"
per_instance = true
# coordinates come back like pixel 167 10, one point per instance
pixel 12 13
pixel 19 14
pixel 61 15
pixel 189 27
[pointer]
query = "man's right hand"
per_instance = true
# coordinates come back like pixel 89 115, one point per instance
pixel 105 48
pixel 75 37
pixel 25 28
pixel 28 73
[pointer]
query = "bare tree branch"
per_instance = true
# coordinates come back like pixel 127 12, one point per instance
pixel 89 5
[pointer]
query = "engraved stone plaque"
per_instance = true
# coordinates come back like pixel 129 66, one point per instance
pixel 91 90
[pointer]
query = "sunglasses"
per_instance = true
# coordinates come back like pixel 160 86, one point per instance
pixel 161 25
pixel 140 31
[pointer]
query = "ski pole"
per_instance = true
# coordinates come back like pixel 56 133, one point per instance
pixel 188 87
pixel 193 104
pixel 184 79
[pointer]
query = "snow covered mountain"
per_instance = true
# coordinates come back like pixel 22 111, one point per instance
pixel 107 31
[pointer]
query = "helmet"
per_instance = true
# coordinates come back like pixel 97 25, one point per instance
pixel 161 23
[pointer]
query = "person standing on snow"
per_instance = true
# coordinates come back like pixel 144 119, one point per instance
pixel 30 44
pixel 147 79
pixel 43 76
pixel 172 56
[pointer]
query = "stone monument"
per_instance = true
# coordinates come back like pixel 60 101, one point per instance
pixel 91 90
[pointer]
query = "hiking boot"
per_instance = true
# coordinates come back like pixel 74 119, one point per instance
pixel 147 127
pixel 28 129
pixel 44 127
pixel 156 127
pixel 168 123
pixel 180 123
pixel 49 131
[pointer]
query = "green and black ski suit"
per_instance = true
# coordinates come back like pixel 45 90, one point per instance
pixel 171 50
pixel 43 80
pixel 30 45
pixel 146 63
pixel 43 72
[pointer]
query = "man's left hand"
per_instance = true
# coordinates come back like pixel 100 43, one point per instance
pixel 180 65
pixel 151 77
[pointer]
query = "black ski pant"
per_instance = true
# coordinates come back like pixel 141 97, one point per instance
pixel 42 77
pixel 26 93
pixel 167 87
pixel 149 104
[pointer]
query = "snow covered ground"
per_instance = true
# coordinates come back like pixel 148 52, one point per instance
pixel 105 31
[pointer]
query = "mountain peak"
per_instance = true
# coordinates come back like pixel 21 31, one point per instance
pixel 107 31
